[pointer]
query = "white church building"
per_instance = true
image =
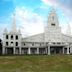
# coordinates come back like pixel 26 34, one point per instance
pixel 52 41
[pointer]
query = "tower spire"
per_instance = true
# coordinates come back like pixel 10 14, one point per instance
pixel 14 23
pixel 53 19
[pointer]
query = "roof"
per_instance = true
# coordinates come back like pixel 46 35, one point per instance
pixel 41 38
pixel 66 38
pixel 34 38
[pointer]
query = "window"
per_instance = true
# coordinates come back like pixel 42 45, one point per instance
pixel 16 37
pixel 40 44
pixel 11 42
pixel 32 44
pixel 52 24
pixel 24 44
pixel 11 36
pixel 53 42
pixel 7 43
pixel 58 43
pixel 16 43
pixel 6 36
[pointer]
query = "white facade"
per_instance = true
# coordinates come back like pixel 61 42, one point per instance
pixel 52 41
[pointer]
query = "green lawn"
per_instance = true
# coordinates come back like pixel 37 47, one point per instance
pixel 36 63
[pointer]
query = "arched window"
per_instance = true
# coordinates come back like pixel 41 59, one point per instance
pixel 24 44
pixel 32 44
pixel 6 36
pixel 16 37
pixel 16 43
pixel 11 36
pixel 6 43
pixel 52 24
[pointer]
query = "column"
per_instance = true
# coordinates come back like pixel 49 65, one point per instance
pixel 20 50
pixel 29 51
pixel 6 51
pixel 14 50
pixel 67 49
pixel 63 50
pixel 48 50
pixel 70 49
pixel 37 50
pixel 3 50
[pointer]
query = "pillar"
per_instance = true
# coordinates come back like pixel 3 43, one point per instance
pixel 37 50
pixel 63 50
pixel 70 49
pixel 20 50
pixel 48 50
pixel 6 51
pixel 67 49
pixel 29 52
pixel 3 50
pixel 14 50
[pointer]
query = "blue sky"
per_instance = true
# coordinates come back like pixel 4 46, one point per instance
pixel 31 15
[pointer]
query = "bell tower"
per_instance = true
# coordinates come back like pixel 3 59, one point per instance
pixel 52 30
pixel 53 19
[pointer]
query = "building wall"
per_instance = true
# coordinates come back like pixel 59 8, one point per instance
pixel 9 40
pixel 52 36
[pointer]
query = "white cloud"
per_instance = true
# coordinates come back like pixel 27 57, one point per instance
pixel 30 22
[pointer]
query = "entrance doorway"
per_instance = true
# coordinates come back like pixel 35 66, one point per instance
pixel 42 51
pixel 17 50
pixel 9 50
pixel 24 51
pixel 56 49
pixel 33 50
pixel 65 50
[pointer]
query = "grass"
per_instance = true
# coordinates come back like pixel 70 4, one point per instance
pixel 36 63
